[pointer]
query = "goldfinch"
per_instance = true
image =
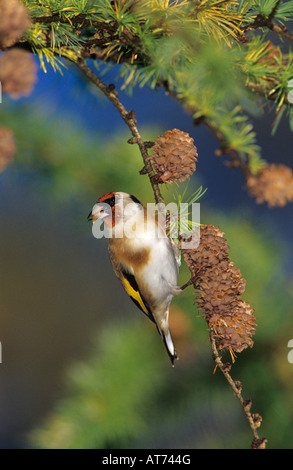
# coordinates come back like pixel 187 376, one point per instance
pixel 142 258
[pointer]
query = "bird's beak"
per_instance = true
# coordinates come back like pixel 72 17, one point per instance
pixel 90 216
pixel 99 211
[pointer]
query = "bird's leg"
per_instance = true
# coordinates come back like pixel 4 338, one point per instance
pixel 195 278
pixel 191 281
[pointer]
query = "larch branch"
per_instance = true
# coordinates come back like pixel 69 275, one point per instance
pixel 258 442
pixel 129 119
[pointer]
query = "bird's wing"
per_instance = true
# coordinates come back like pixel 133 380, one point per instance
pixel 176 252
pixel 130 285
pixel 132 289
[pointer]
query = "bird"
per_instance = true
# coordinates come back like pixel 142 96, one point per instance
pixel 142 256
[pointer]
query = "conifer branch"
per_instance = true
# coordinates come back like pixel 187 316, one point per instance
pixel 230 320
pixel 268 94
pixel 224 149
pixel 129 119
pixel 262 21
pixel 254 420
pixel 282 31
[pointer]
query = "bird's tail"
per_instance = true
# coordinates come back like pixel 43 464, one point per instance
pixel 169 346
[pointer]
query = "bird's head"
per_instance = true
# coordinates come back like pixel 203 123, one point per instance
pixel 112 208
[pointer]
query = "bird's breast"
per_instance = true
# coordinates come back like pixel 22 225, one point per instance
pixel 129 254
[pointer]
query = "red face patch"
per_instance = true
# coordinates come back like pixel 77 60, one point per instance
pixel 109 198
pixel 106 196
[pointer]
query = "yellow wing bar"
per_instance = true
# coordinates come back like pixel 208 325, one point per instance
pixel 135 295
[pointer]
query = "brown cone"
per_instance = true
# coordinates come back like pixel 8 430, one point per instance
pixel 175 156
pixel 273 185
pixel 14 22
pixel 219 286
pixel 7 147
pixel 17 73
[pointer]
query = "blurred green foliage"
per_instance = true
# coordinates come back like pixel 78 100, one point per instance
pixel 125 394
pixel 72 163
pixel 210 54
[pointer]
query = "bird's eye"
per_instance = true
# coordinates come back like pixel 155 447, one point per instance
pixel 102 210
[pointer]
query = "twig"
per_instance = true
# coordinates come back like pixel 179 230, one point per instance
pixel 268 94
pixel 224 149
pixel 254 420
pixel 274 10
pixel 262 21
pixel 279 30
pixel 129 119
